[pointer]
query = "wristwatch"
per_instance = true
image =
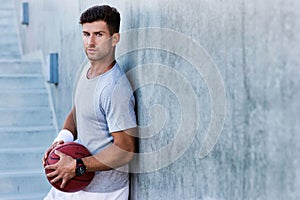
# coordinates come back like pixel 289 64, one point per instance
pixel 80 167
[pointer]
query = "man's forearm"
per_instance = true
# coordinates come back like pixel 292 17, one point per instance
pixel 110 158
pixel 116 155
pixel 70 123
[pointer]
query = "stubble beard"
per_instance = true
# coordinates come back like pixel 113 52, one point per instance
pixel 94 57
pixel 99 54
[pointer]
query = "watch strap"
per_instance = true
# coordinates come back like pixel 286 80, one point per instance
pixel 80 167
pixel 79 161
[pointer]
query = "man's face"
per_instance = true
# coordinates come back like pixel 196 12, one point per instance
pixel 97 41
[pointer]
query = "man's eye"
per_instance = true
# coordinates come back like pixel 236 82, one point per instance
pixel 99 34
pixel 85 34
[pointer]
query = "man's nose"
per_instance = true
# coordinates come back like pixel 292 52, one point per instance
pixel 91 40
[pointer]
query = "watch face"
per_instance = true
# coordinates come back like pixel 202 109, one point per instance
pixel 80 170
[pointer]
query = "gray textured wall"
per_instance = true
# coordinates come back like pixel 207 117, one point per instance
pixel 254 44
pixel 54 27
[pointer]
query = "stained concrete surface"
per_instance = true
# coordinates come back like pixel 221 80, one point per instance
pixel 254 44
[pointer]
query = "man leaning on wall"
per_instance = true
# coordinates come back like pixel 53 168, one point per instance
pixel 101 120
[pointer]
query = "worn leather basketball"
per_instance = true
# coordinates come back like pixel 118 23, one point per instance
pixel 75 150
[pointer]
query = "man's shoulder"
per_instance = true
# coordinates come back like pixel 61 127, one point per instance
pixel 117 82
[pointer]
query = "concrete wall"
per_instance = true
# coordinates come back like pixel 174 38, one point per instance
pixel 53 27
pixel 255 47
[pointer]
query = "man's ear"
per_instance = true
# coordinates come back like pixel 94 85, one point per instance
pixel 115 39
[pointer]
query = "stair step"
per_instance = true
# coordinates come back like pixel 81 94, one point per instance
pixel 21 158
pixel 8 46
pixel 26 121
pixel 20 75
pixel 24 98
pixel 11 36
pixel 9 40
pixel 7 4
pixel 34 196
pixel 22 137
pixel 20 67
pixel 21 81
pixel 8 52
pixel 9 49
pixel 6 21
pixel 6 56
pixel 6 14
pixel 32 116
pixel 23 182
pixel 24 128
pixel 16 159
pixel 5 30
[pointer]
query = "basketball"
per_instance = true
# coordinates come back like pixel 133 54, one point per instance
pixel 75 150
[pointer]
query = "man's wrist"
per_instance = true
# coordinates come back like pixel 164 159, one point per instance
pixel 64 135
pixel 74 165
pixel 80 167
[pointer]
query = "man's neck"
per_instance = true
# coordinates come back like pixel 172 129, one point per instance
pixel 100 67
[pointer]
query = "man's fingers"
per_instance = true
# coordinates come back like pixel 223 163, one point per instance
pixel 63 183
pixel 58 178
pixel 55 144
pixel 54 180
pixel 54 166
pixel 52 174
pixel 46 154
pixel 61 169
pixel 60 142
pixel 59 153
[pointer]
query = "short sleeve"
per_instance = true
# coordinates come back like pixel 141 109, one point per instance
pixel 117 102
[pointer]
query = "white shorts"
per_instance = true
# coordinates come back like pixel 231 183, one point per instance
pixel 121 194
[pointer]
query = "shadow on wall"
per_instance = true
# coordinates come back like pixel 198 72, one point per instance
pixel 252 45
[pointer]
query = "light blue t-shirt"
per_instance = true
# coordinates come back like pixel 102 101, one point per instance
pixel 104 104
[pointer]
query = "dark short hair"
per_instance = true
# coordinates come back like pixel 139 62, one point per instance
pixel 105 13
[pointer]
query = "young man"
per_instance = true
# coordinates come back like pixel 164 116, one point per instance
pixel 104 115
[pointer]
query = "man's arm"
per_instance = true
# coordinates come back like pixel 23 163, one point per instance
pixel 69 125
pixel 116 155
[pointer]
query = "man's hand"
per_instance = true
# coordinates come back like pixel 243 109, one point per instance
pixel 64 169
pixel 55 144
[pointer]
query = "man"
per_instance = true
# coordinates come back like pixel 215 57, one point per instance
pixel 103 117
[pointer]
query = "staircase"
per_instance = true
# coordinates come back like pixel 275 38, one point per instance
pixel 26 120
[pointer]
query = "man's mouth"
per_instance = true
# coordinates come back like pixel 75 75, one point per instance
pixel 91 50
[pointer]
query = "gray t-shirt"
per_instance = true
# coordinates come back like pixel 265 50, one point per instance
pixel 104 104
